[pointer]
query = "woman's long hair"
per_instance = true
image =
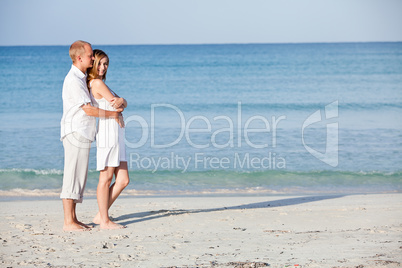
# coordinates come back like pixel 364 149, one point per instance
pixel 93 71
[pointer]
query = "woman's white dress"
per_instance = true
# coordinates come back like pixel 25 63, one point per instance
pixel 109 139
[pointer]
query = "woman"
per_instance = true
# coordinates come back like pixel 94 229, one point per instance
pixel 110 155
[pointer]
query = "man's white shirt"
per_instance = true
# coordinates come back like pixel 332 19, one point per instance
pixel 75 95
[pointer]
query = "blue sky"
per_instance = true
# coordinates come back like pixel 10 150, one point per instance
pixel 50 22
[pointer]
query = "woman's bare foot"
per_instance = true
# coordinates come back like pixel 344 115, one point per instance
pixel 74 227
pixel 111 226
pixel 97 219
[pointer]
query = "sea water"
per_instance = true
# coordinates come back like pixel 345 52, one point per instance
pixel 208 119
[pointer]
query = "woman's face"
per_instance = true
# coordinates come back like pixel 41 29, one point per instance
pixel 102 67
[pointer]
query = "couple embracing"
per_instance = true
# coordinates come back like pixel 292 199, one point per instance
pixel 85 97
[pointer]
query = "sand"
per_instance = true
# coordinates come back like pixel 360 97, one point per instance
pixel 243 231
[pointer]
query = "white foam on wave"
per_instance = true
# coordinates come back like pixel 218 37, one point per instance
pixel 25 192
pixel 36 171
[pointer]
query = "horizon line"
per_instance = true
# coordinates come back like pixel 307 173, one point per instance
pixel 201 44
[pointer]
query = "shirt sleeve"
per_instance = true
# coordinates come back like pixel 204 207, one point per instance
pixel 78 93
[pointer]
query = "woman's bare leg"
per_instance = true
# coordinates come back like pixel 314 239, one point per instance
pixel 122 180
pixel 102 194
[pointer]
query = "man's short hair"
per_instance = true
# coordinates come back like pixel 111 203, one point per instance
pixel 77 49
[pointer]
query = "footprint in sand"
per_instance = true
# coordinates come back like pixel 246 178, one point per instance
pixel 107 245
pixel 23 227
pixel 118 237
pixel 125 257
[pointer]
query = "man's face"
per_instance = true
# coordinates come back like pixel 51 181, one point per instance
pixel 87 58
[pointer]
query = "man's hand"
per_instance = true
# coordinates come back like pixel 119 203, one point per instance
pixel 96 112
pixel 120 121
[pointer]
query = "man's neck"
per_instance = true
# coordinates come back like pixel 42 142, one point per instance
pixel 83 70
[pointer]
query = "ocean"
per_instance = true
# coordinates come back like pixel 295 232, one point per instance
pixel 231 119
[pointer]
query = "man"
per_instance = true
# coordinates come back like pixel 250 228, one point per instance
pixel 78 127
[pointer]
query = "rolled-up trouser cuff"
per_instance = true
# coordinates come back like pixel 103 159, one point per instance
pixel 76 197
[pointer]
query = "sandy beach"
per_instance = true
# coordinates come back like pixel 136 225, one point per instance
pixel 247 231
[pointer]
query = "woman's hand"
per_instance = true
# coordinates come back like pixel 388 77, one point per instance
pixel 117 102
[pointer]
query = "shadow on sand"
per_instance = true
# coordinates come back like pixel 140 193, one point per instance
pixel 151 215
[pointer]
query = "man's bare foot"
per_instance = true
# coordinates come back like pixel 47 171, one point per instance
pixel 74 227
pixel 111 226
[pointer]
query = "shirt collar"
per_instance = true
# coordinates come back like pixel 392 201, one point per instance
pixel 78 72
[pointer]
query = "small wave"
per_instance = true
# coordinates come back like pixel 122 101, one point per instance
pixel 35 171
pixel 16 181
